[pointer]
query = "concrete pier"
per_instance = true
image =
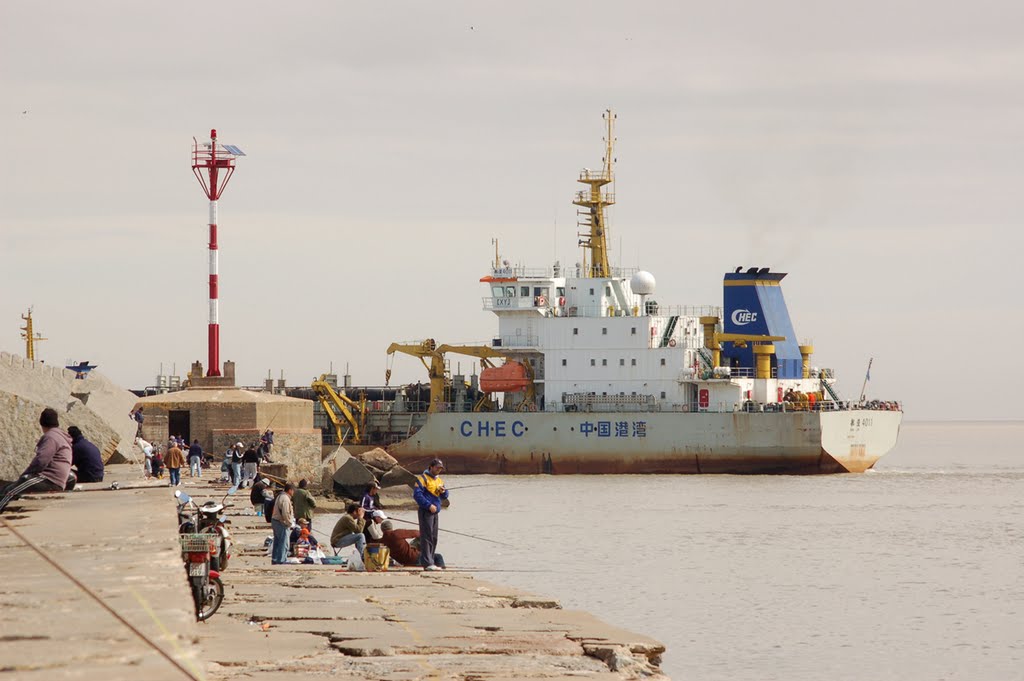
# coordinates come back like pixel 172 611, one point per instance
pixel 277 622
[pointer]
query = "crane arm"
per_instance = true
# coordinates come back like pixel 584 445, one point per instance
pixel 335 403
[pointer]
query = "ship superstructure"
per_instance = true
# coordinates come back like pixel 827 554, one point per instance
pixel 597 376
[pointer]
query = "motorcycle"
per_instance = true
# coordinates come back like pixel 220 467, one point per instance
pixel 206 549
pixel 207 589
pixel 207 519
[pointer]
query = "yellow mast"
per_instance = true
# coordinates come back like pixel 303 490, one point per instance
pixel 31 338
pixel 595 201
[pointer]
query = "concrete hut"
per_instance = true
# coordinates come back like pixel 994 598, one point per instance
pixel 220 416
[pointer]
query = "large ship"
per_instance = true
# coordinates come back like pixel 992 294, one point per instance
pixel 588 373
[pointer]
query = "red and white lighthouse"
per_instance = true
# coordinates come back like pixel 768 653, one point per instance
pixel 213 165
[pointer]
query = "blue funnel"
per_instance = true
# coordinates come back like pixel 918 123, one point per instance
pixel 753 304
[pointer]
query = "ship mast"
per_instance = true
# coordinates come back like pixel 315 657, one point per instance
pixel 594 200
pixel 30 336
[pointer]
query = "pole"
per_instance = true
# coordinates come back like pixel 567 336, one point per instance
pixel 867 377
pixel 213 369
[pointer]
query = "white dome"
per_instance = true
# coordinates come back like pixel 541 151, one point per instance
pixel 642 283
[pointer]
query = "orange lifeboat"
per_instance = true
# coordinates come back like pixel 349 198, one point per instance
pixel 510 377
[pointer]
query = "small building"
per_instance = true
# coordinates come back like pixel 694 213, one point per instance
pixel 221 415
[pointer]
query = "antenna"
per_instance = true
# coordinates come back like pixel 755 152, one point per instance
pixel 594 200
pixel 30 335
pixel 213 165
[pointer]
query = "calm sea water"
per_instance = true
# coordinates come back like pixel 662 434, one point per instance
pixel 912 571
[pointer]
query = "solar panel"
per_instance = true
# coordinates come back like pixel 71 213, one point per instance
pixel 232 149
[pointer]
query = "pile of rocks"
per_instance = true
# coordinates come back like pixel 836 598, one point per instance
pixel 349 475
pixel 94 404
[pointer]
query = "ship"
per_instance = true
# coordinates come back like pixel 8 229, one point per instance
pixel 588 373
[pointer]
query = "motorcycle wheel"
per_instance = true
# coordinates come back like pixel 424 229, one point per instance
pixel 214 597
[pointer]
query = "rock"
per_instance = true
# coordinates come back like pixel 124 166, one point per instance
pixel 377 472
pixel 397 476
pixel 378 458
pixel 330 464
pixel 352 478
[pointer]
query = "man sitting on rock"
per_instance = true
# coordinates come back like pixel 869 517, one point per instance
pixel 348 531
pixel 50 470
pixel 85 457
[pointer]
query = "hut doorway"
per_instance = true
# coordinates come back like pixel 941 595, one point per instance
pixel 178 424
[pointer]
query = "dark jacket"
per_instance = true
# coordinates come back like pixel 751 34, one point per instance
pixel 250 456
pixel 195 450
pixel 53 457
pixel 85 457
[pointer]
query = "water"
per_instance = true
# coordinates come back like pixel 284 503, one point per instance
pixel 913 571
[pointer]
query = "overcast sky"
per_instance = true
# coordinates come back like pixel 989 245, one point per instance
pixel 873 150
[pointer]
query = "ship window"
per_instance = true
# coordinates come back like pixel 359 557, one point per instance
pixel 593 362
pixel 604 362
pixel 559 291
pixel 563 362
pixel 575 331
pixel 591 291
pixel 662 394
pixel 498 291
pixel 632 331
pixel 662 361
pixel 524 291
pixel 604 331
pixel 622 362
pixel 510 291
pixel 632 362
pixel 608 291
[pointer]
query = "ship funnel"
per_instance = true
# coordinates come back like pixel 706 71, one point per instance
pixel 754 305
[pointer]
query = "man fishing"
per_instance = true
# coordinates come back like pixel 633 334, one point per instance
pixel 429 492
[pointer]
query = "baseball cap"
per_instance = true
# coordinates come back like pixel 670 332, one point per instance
pixel 379 514
pixel 437 462
pixel 239 444
pixel 264 481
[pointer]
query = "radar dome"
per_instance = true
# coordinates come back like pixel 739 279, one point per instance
pixel 642 283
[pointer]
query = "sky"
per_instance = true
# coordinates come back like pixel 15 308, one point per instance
pixel 872 150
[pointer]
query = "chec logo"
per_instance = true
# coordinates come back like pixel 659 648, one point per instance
pixel 743 317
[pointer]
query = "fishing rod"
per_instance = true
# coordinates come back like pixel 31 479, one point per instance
pixel 483 484
pixel 461 534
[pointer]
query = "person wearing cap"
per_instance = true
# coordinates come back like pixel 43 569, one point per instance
pixel 369 502
pixel 85 457
pixel 50 469
pixel 234 456
pixel 304 503
pixel 281 520
pixel 257 497
pixel 373 531
pixel 429 492
pixel 301 530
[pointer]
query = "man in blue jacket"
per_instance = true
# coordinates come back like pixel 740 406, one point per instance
pixel 85 457
pixel 429 492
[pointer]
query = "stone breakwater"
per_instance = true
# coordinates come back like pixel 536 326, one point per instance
pixel 277 622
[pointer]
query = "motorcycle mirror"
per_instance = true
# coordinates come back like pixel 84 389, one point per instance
pixel 177 493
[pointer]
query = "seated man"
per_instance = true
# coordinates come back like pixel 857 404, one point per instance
pixel 85 457
pixel 373 531
pixel 302 530
pixel 50 470
pixel 348 531
pixel 402 552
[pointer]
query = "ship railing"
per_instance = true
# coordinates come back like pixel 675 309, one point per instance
pixel 602 174
pixel 585 198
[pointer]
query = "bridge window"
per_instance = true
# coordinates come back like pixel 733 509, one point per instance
pixel 662 361
pixel 563 362
pixel 622 362
pixel 524 291
pixel 632 362
pixel 510 291
pixel 604 362
pixel 593 362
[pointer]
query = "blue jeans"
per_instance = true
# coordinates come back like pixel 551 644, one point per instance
pixel 236 473
pixel 175 474
pixel 279 553
pixel 357 538
pixel 195 466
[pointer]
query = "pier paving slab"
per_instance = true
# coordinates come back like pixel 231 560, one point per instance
pixel 277 622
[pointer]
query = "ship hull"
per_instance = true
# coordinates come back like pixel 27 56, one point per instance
pixel 642 442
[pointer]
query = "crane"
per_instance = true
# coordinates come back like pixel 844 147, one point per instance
pixel 435 368
pixel 351 412
pixel 485 353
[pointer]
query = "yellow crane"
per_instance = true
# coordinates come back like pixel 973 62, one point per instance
pixel 342 410
pixel 435 368
pixel 485 353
